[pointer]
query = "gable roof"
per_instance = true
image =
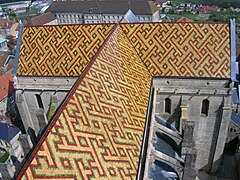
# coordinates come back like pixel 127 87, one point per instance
pixel 167 49
pixel 41 19
pixel 59 50
pixel 184 19
pixel 98 131
pixel 103 7
pixel 182 49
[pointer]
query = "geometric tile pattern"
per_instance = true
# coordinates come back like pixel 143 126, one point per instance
pixel 98 131
pixel 182 49
pixel 59 50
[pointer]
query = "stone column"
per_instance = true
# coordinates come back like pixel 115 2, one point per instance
pixel 25 142
pixel 42 119
pixel 190 161
pixel 222 132
pixel 189 151
pixel 184 112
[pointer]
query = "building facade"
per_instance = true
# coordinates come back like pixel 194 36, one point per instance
pixel 194 114
pixel 89 12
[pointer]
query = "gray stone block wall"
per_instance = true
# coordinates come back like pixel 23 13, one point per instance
pixel 210 131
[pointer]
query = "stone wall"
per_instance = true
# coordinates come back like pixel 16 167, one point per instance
pixel 210 130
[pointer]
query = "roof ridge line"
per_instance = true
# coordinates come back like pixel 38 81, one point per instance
pixel 135 50
pixel 57 113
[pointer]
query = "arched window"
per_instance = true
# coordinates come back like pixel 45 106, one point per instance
pixel 168 105
pixel 205 107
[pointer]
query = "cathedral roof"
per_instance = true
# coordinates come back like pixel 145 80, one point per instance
pixel 59 50
pixel 182 49
pixel 167 49
pixel 97 132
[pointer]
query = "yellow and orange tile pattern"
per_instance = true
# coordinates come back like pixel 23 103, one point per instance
pixel 98 132
pixel 182 49
pixel 59 50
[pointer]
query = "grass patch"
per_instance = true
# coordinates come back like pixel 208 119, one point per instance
pixel 177 16
pixel 4 157
pixel 190 16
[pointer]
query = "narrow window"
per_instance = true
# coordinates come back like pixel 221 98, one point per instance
pixel 205 107
pixel 168 105
pixel 39 100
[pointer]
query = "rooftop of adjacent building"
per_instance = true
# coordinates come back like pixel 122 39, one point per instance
pixel 8 131
pixel 103 7
pixel 6 84
pixel 184 19
pixel 41 19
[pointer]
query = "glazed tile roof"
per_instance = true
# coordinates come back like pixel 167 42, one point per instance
pixel 182 49
pixel 167 49
pixel 98 132
pixel 59 50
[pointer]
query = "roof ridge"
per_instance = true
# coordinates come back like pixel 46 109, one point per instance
pixel 135 50
pixel 57 113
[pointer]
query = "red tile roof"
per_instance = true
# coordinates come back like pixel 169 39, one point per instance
pixel 6 84
pixel 5 23
pixel 41 20
pixel 184 19
pixel 208 8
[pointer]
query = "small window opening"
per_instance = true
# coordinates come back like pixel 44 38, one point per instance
pixel 205 107
pixel 168 105
pixel 39 100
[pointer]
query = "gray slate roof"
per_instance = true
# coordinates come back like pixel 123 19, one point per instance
pixel 103 7
pixel 8 132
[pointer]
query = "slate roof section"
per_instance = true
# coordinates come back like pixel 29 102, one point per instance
pixel 98 131
pixel 8 132
pixel 182 49
pixel 59 50
pixel 41 19
pixel 103 7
